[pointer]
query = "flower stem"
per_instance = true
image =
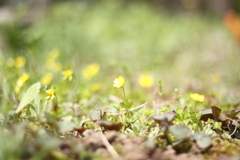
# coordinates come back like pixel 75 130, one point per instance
pixel 124 94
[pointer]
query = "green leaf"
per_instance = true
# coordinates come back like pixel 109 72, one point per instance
pixel 164 119
pixel 96 115
pixel 232 114
pixel 180 132
pixel 203 141
pixel 65 126
pixel 216 112
pixel 206 114
pixel 108 125
pixel 112 111
pixel 170 116
pixel 29 95
pixel 237 134
pixel 160 119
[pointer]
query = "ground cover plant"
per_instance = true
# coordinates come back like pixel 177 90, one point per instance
pixel 123 82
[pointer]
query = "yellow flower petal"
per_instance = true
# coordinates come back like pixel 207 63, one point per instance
pixel 95 87
pixel 53 54
pixel 19 62
pixel 50 93
pixel 91 70
pixel 67 74
pixel 146 81
pixel 119 82
pixel 21 80
pixel 47 78
pixel 197 97
pixel 17 89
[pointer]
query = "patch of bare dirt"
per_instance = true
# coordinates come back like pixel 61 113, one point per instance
pixel 116 146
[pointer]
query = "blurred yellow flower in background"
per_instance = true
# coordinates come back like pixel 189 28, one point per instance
pixel 96 87
pixel 119 82
pixel 197 97
pixel 21 80
pixel 51 63
pixel 91 70
pixel 68 74
pixel 50 93
pixel 47 78
pixel 53 54
pixel 19 62
pixel 146 80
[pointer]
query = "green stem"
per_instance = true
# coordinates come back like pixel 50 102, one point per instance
pixel 124 94
pixel 124 115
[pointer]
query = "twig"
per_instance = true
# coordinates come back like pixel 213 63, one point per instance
pixel 110 149
pixel 83 122
pixel 138 107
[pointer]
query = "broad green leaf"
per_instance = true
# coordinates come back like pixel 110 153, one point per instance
pixel 170 116
pixel 161 120
pixel 203 140
pixel 206 114
pixel 164 119
pixel 232 114
pixel 180 132
pixel 112 111
pixel 65 126
pixel 96 115
pixel 108 125
pixel 28 97
pixel 216 112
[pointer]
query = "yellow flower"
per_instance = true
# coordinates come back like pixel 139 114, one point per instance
pixel 95 87
pixel 51 64
pixel 17 89
pixel 197 97
pixel 145 80
pixel 50 93
pixel 53 54
pixel 119 82
pixel 90 70
pixel 21 80
pixel 19 62
pixel 47 78
pixel 68 74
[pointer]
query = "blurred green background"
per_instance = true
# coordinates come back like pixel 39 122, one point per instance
pixel 184 43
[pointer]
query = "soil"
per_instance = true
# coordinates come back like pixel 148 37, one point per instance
pixel 123 147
